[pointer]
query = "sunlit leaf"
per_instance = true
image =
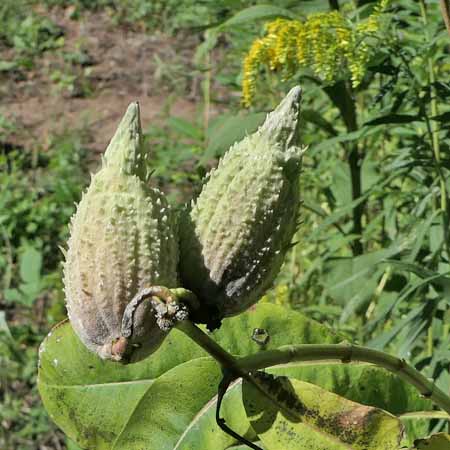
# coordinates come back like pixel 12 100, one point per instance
pixel 302 416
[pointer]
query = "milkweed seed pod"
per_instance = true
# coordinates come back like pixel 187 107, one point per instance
pixel 122 238
pixel 236 234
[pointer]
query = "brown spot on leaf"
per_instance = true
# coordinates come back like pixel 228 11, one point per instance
pixel 355 418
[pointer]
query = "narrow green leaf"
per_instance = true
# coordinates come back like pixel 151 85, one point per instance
pixel 394 118
pixel 444 117
pixel 314 117
pixel 345 137
pixel 429 415
pixel 4 328
pixel 352 281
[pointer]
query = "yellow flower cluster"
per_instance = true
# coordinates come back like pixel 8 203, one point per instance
pixel 328 43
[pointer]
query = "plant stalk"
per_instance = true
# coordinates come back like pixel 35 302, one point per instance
pixel 225 359
pixel 348 353
pixel 243 367
pixel 342 97
pixel 435 130
pixel 334 5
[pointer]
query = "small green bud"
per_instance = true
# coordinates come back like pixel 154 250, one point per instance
pixel 122 239
pixel 235 237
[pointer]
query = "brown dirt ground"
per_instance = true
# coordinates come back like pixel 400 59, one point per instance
pixel 123 65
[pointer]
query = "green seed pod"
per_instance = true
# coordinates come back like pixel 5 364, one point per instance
pixel 234 238
pixel 122 239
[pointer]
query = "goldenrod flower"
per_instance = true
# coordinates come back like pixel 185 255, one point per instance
pixel 328 43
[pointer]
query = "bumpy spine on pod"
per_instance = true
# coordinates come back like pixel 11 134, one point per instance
pixel 236 234
pixel 122 238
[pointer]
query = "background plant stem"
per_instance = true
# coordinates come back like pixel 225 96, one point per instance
pixel 445 8
pixel 342 97
pixel 334 4
pixel 435 132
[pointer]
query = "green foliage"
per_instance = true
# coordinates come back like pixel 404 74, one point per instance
pixel 31 284
pixel 176 148
pixel 27 32
pixel 327 43
pixel 373 258
pixel 39 189
pixel 104 405
pixel 23 419
pixel 378 157
pixel 318 419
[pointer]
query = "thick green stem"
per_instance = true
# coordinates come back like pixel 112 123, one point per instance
pixel 354 162
pixel 334 4
pixel 243 367
pixel 230 369
pixel 212 347
pixel 341 95
pixel 347 354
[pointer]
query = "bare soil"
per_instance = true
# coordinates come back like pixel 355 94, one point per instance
pixel 120 65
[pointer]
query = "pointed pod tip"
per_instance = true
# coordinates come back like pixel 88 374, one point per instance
pixel 290 104
pixel 132 115
pixel 125 149
pixel 294 95
pixel 281 125
pixel 133 106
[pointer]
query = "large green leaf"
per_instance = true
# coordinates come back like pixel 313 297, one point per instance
pixel 362 383
pixel 98 403
pixel 302 416
pixel 166 409
pixel 168 400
